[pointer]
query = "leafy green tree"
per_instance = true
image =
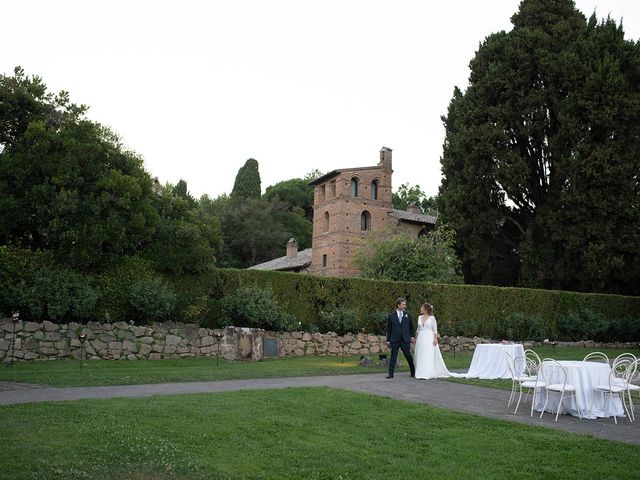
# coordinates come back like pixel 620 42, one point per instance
pixel 430 258
pixel 541 158
pixel 406 195
pixel 188 239
pixel 295 192
pixel 247 183
pixel 67 184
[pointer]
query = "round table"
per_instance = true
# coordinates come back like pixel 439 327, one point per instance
pixel 584 376
pixel 489 360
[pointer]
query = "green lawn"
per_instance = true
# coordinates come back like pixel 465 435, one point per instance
pixel 316 433
pixel 67 373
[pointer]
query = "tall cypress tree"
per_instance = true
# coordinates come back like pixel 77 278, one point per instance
pixel 247 184
pixel 541 157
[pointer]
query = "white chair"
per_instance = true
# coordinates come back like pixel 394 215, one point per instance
pixel 534 358
pixel 516 378
pixel 566 390
pixel 596 357
pixel 631 383
pixel 533 383
pixel 619 386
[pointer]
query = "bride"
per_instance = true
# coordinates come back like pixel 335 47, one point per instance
pixel 429 363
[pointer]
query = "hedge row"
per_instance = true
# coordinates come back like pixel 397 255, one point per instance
pixel 306 296
pixel 131 290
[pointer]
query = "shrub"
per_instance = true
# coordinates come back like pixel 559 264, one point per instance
pixel 115 287
pixel 627 329
pixel 151 299
pixel 32 283
pixel 584 324
pixel 60 294
pixel 254 307
pixel 377 323
pixel 520 326
pixel 338 320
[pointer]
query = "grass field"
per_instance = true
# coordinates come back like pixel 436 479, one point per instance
pixel 71 373
pixel 315 433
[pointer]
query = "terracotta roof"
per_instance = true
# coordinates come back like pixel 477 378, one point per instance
pixel 283 263
pixel 413 217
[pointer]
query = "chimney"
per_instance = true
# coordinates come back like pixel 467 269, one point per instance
pixel 292 248
pixel 414 208
pixel 385 160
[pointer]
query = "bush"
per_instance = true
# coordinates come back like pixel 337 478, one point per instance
pixel 465 328
pixel 257 308
pixel 115 287
pixel 377 323
pixel 585 324
pixel 627 329
pixel 60 294
pixel 32 283
pixel 520 326
pixel 151 300
pixel 338 320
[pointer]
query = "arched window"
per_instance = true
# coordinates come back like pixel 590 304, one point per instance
pixel 374 190
pixel 326 221
pixel 354 187
pixel 365 221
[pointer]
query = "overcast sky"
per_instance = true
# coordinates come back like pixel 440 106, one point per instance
pixel 198 87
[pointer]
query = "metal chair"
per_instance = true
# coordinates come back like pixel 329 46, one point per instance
pixel 596 357
pixel 516 378
pixel 618 385
pixel 529 381
pixel 563 388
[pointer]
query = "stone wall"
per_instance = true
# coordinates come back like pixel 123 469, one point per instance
pixel 46 340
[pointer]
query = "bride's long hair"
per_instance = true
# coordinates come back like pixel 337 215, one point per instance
pixel 428 308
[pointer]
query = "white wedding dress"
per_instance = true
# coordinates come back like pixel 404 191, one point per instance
pixel 429 363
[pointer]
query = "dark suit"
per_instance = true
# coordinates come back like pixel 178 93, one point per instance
pixel 399 335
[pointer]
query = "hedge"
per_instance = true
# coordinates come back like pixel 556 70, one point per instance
pixel 460 309
pixel 306 296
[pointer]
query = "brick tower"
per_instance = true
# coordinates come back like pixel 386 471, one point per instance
pixel 347 205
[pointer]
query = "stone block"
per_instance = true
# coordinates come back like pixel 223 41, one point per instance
pixel 52 336
pixel 169 349
pixel 130 346
pixel 49 326
pixel 148 340
pixel 155 356
pixel 48 350
pixel 138 331
pixel 115 346
pixel 31 326
pixel 121 325
pixel 145 349
pixel 172 340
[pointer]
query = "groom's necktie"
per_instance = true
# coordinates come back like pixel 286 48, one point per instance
pixel 400 315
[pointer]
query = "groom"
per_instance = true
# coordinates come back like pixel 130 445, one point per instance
pixel 400 335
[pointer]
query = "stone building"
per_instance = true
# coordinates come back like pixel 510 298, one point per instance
pixel 349 204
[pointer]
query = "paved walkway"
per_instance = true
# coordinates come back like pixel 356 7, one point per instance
pixel 488 402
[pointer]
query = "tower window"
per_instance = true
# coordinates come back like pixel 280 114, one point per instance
pixel 365 221
pixel 354 187
pixel 374 190
pixel 324 260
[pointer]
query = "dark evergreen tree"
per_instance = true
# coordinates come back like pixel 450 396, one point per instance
pixel 541 159
pixel 247 184
pixel 67 185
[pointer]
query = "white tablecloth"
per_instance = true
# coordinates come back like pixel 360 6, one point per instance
pixel 489 360
pixel 584 376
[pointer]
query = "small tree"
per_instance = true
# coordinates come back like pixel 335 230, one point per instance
pixel 402 258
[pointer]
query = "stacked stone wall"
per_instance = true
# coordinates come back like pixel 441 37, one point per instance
pixel 23 340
